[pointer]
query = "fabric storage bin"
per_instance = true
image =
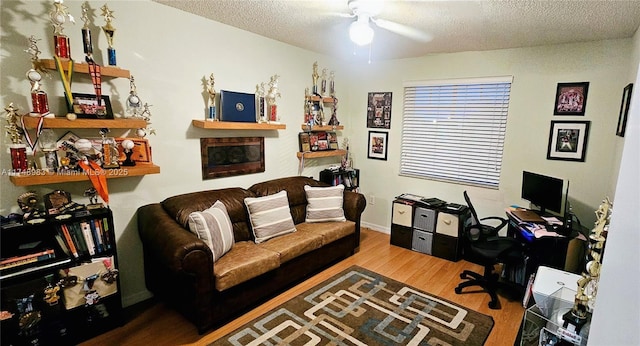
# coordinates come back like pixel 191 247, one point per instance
pixel 424 219
pixel 422 241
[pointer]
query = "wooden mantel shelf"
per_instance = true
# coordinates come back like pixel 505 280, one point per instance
pixel 228 125
pixel 54 178
pixel 107 71
pixel 64 123
pixel 319 154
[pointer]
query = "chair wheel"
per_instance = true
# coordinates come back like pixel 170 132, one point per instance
pixel 463 276
pixel 493 305
pixel 458 290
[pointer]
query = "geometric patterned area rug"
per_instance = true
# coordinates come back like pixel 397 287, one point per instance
pixel 360 307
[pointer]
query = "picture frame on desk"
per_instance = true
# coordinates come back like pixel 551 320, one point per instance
pixel 568 140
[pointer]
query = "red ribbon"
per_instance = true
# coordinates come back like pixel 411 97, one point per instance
pixel 32 144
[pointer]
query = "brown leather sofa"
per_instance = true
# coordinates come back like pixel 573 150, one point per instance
pixel 179 267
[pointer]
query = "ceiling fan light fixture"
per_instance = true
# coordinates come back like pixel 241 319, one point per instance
pixel 360 32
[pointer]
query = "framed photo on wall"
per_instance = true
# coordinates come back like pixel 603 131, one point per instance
pixel 378 145
pixel 379 110
pixel 571 98
pixel 624 110
pixel 568 140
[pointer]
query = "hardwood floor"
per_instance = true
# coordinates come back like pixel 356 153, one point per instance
pixel 159 325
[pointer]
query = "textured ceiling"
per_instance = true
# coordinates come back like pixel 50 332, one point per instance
pixel 454 26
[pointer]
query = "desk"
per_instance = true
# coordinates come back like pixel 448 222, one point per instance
pixel 548 248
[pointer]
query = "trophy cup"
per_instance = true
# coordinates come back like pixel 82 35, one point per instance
pixel 271 98
pixel 109 31
pixel 17 148
pixel 260 102
pixel 212 99
pixel 323 83
pixel 59 16
pixel 332 85
pixel 86 32
pixel 109 150
pixel 133 101
pixel 38 97
pixel 315 77
pixel 47 142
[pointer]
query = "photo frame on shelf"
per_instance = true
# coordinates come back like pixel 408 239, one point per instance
pixel 86 106
pixel 624 110
pixel 379 110
pixel 231 156
pixel 568 140
pixel 303 140
pixel 378 145
pixel 571 98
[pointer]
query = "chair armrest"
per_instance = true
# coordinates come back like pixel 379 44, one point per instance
pixel 502 222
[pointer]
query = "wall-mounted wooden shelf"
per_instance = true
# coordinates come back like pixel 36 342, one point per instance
pixel 319 154
pixel 305 127
pixel 324 99
pixel 54 178
pixel 64 123
pixel 106 71
pixel 228 125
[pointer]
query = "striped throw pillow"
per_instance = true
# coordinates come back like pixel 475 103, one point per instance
pixel 324 204
pixel 270 216
pixel 214 227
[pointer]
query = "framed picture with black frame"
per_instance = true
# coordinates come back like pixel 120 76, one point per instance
pixel 571 98
pixel 378 145
pixel 568 140
pixel 624 110
pixel 86 106
pixel 379 110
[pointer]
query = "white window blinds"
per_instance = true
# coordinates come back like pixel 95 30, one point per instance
pixel 453 130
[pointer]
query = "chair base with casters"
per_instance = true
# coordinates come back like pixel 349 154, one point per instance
pixel 490 282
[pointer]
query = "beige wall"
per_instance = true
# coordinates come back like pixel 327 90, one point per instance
pixel 536 72
pixel 170 56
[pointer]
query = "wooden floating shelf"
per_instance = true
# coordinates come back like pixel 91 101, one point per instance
pixel 64 123
pixel 305 127
pixel 324 99
pixel 106 71
pixel 54 178
pixel 229 125
pixel 319 154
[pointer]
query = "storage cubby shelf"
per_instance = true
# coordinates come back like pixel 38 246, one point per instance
pixel 229 125
pixel 54 178
pixel 64 123
pixel 106 71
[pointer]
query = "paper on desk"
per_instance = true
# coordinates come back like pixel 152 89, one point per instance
pixel 552 220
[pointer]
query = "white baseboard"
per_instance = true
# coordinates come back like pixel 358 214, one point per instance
pixel 136 298
pixel 375 227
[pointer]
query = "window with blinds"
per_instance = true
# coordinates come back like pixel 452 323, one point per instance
pixel 453 130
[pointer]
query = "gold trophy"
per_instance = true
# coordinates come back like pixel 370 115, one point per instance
pixel 59 17
pixel 17 148
pixel 212 99
pixel 38 97
pixel 109 31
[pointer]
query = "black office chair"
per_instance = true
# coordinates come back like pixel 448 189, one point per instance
pixel 483 246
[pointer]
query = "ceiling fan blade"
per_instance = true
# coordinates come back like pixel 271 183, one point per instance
pixel 403 30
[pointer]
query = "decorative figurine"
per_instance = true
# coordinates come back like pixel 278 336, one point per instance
pixel 323 83
pixel 109 31
pixel 315 77
pixel 47 142
pixel 28 203
pixel 334 116
pixel 17 148
pixel 92 193
pixel 271 99
pixel 260 102
pixel 212 99
pixel 332 84
pixel 59 17
pixel 86 32
pixel 128 145
pixel 146 116
pixel 133 101
pixel 38 97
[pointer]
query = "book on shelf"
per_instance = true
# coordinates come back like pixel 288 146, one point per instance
pixel 67 237
pixel 88 236
pixel 97 240
pixel 17 261
pixel 62 244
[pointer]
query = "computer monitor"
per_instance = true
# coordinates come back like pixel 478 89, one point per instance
pixel 545 192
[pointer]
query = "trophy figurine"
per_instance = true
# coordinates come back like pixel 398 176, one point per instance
pixel 39 98
pixel 271 99
pixel 315 77
pixel 212 99
pixel 92 193
pixel 260 102
pixel 323 83
pixel 146 116
pixel 332 84
pixel 17 148
pixel 133 100
pixel 109 150
pixel 334 113
pixel 109 31
pixel 59 16
pixel 87 43
pixel 128 145
pixel 47 142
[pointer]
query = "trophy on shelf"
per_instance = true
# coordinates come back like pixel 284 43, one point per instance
pixel 272 94
pixel 128 145
pixel 261 103
pixel 332 84
pixel 109 150
pixel 334 113
pixel 315 77
pixel 133 100
pixel 146 116
pixel 576 318
pixel 109 31
pixel 29 204
pixel 17 148
pixel 38 97
pixel 87 43
pixel 323 83
pixel 211 116
pixel 59 16
pixel 92 193
pixel 47 142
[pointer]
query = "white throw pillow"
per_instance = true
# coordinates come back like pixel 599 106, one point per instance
pixel 270 216
pixel 213 226
pixel 324 204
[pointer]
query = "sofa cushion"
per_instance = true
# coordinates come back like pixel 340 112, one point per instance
pixel 244 262
pixel 269 216
pixel 294 244
pixel 330 231
pixel 213 226
pixel 324 203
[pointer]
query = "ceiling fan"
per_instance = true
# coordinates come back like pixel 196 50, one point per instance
pixel 366 12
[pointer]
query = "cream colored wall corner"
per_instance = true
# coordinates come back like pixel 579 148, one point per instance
pixel 536 72
pixel 169 52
